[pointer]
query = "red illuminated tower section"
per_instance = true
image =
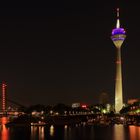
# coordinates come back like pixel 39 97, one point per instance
pixel 3 97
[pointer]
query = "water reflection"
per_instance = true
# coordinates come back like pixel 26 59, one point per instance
pixel 4 131
pixel 33 132
pixel 51 130
pixel 134 132
pixel 37 132
pixel 65 132
pixel 41 132
pixel 119 132
pixel 116 132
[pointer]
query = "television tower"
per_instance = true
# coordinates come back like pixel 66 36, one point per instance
pixel 118 37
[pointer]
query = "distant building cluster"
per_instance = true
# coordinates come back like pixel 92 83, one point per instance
pixel 132 101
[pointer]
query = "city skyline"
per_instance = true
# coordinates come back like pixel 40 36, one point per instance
pixel 56 54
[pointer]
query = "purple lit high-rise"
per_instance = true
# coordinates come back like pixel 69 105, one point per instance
pixel 118 37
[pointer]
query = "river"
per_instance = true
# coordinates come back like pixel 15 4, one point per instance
pixel 77 132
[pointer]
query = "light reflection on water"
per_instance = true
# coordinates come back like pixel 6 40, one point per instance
pixel 65 132
pixel 33 132
pixel 4 131
pixel 116 132
pixel 41 133
pixel 134 132
pixel 89 133
pixel 119 132
pixel 51 130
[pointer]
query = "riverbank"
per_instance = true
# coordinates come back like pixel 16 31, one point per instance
pixel 26 120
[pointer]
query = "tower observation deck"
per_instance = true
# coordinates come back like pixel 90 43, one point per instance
pixel 118 37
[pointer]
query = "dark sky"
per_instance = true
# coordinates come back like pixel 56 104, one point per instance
pixel 62 52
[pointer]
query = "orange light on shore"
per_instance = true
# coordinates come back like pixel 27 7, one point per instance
pixel 4 120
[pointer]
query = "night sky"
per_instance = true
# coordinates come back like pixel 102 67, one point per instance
pixel 61 52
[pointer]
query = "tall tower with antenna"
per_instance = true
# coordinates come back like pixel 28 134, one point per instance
pixel 118 37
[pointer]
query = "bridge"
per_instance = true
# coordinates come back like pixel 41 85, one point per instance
pixel 5 111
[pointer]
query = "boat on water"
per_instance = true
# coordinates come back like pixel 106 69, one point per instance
pixel 38 124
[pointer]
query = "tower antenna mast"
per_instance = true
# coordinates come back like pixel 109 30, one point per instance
pixel 118 20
